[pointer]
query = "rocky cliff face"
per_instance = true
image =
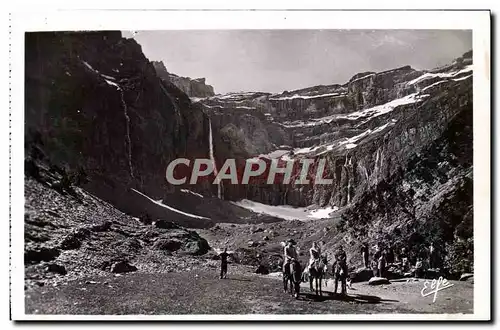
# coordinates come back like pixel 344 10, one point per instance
pixel 397 144
pixel 348 125
pixel 95 103
pixel 192 87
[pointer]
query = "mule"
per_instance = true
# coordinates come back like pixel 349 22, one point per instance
pixel 340 274
pixel 292 274
pixel 317 273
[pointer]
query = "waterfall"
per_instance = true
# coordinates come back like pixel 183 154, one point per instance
pixel 212 158
pixel 111 81
pixel 349 180
pixel 348 174
pixel 127 137
pixel 376 168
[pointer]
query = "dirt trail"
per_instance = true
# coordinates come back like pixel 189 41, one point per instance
pixel 201 292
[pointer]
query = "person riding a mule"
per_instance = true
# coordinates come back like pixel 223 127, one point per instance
pixel 340 270
pixel 317 268
pixel 291 269
pixel 314 256
pixel 290 255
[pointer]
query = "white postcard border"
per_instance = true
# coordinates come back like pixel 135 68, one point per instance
pixel 477 21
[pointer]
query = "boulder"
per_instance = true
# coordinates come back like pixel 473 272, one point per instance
pixel 263 270
pixel 252 244
pixel 55 268
pixel 105 226
pixel 394 273
pixel 361 275
pixel 433 273
pixel 197 247
pixel 122 267
pixel 70 242
pixel 164 224
pixel 74 240
pixel 167 244
pixel 145 219
pixel 41 254
pixel 466 276
pixel 378 281
pixel 266 238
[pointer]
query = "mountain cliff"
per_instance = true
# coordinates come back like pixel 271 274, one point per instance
pixel 192 87
pixel 397 144
pixel 95 104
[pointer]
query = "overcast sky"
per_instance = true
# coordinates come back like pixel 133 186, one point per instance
pixel 278 60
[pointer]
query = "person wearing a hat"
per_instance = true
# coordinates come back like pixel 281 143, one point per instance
pixel 340 255
pixel 289 254
pixel 314 254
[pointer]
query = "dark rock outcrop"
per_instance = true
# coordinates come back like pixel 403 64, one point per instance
pixel 40 254
pixel 263 270
pixel 361 275
pixel 466 276
pixel 122 267
pixel 95 105
pixel 192 87
pixel 55 268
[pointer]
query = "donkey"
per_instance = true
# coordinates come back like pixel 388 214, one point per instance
pixel 318 272
pixel 293 274
pixel 339 269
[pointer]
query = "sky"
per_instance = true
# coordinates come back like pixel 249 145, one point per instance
pixel 278 60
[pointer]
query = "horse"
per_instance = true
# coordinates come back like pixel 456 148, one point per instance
pixel 340 273
pixel 292 273
pixel 317 272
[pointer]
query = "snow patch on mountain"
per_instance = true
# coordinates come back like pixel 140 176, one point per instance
pixel 430 75
pixel 160 203
pixel 186 191
pixel 366 113
pixel 297 96
pixel 287 212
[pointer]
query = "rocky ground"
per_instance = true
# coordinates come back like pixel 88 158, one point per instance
pixel 70 233
pixel 83 256
pixel 201 292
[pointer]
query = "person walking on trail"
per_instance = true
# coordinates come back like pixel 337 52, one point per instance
pixel 223 263
pixel 289 255
pixel 365 254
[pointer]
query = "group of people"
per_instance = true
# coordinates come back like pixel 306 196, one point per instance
pixel 339 266
pixel 384 256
